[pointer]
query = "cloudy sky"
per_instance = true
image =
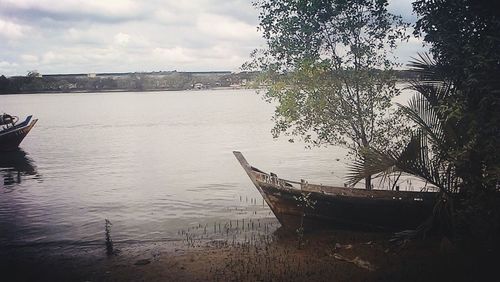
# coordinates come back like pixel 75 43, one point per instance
pixel 83 36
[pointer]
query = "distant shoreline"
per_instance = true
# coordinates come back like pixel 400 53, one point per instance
pixel 35 83
pixel 128 90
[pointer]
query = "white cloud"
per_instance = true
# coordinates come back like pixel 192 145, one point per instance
pixel 174 55
pixel 122 39
pixel 29 58
pixel 7 67
pixel 51 57
pixel 168 16
pixel 85 35
pixel 11 30
pixel 223 27
pixel 108 8
pixel 4 64
pixel 79 36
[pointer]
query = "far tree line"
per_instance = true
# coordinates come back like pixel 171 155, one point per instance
pixel 34 82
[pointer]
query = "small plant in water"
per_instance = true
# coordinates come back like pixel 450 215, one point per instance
pixel 300 232
pixel 304 201
pixel 109 242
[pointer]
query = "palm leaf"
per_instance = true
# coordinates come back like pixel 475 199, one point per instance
pixel 420 111
pixel 414 160
pixel 425 155
pixel 425 67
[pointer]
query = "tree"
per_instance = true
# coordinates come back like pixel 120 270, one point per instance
pixel 327 65
pixel 457 116
pixel 4 84
pixel 429 153
pixel 465 42
pixel 33 74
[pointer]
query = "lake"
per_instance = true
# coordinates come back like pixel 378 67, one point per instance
pixel 152 163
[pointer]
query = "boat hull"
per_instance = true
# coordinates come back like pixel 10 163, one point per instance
pixel 299 204
pixel 343 212
pixel 10 139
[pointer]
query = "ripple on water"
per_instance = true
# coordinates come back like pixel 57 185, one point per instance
pixel 151 164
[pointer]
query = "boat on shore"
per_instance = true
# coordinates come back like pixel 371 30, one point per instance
pixel 298 204
pixel 12 132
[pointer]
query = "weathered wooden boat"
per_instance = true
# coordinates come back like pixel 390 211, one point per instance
pixel 12 133
pixel 300 204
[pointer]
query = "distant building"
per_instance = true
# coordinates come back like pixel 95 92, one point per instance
pixel 91 75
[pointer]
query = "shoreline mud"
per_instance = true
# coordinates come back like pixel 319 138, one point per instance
pixel 334 255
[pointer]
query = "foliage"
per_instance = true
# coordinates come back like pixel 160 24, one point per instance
pixel 4 84
pixel 456 112
pixel 465 44
pixel 304 202
pixel 168 80
pixel 327 65
pixel 427 154
pixel 33 74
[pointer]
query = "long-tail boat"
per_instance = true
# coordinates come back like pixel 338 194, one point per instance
pixel 302 205
pixel 13 132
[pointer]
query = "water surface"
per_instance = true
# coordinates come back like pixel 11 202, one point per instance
pixel 150 162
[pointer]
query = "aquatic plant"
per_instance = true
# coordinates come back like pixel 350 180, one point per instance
pixel 109 241
pixel 304 202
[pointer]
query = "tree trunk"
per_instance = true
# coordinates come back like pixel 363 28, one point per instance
pixel 368 182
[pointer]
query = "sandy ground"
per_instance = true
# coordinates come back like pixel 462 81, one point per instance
pixel 319 256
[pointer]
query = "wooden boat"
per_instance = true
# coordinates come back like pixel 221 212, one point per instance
pixel 12 134
pixel 300 204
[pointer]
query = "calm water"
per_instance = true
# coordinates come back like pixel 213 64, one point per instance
pixel 152 163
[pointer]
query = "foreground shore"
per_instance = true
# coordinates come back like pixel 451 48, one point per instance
pixel 319 256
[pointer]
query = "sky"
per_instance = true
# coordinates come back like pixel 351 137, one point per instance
pixel 92 36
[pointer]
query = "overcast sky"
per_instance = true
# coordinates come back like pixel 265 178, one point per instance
pixel 84 36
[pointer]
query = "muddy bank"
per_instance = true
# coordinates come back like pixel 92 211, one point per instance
pixel 320 256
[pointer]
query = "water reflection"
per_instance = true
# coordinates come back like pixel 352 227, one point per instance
pixel 15 166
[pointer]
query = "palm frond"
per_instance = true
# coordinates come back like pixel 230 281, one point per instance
pixel 372 162
pixel 434 92
pixel 422 113
pixel 425 67
pixel 414 160
pixel 425 156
